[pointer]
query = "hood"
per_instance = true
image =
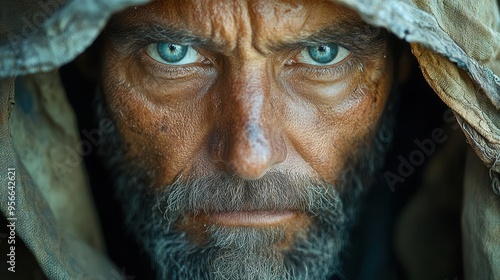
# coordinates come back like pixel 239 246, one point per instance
pixel 456 43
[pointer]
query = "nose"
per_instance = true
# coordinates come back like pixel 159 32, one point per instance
pixel 248 139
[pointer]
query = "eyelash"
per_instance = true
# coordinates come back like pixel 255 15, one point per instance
pixel 326 71
pixel 173 71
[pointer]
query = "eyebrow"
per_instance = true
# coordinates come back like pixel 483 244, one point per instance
pixel 358 37
pixel 355 36
pixel 126 37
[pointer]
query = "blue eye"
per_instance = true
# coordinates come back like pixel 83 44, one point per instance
pixel 323 53
pixel 173 54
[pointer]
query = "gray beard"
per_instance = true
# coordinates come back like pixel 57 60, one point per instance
pixel 237 252
pixel 152 213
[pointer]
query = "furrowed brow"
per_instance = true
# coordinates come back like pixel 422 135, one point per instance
pixel 360 38
pixel 128 37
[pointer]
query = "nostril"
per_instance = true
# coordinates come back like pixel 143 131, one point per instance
pixel 251 155
pixel 246 152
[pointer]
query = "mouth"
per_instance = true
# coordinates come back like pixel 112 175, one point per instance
pixel 251 218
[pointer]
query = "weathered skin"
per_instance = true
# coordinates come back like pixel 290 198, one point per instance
pixel 248 105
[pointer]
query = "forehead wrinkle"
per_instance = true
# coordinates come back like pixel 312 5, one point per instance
pixel 263 26
pixel 227 22
pixel 283 25
pixel 355 35
pixel 273 21
pixel 220 23
pixel 211 27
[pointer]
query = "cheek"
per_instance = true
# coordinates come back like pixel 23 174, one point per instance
pixel 157 138
pixel 331 133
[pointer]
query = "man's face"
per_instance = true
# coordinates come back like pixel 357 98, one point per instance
pixel 243 125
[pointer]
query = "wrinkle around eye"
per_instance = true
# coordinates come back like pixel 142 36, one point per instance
pixel 327 74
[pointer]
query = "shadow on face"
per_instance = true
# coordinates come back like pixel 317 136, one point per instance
pixel 245 87
pixel 211 99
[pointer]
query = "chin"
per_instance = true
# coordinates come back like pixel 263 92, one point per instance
pixel 220 226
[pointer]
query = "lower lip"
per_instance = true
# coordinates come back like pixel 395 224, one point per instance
pixel 251 218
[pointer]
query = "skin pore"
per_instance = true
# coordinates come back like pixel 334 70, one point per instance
pixel 250 144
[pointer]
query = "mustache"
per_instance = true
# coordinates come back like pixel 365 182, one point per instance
pixel 224 192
